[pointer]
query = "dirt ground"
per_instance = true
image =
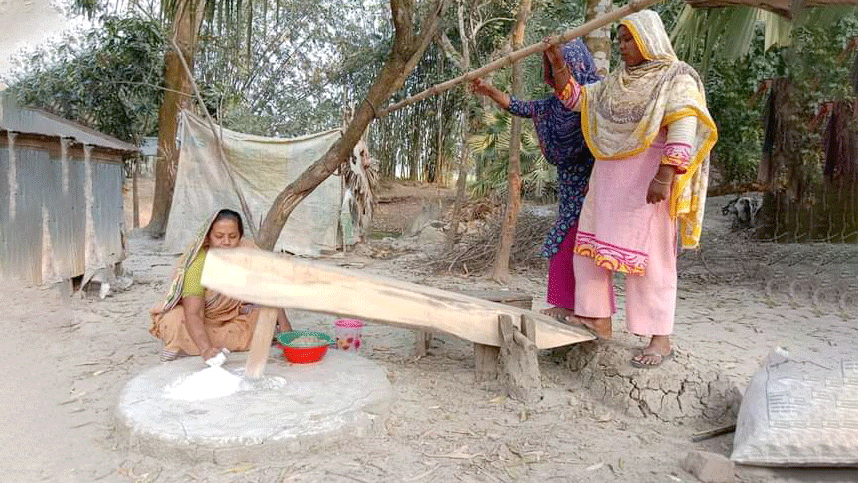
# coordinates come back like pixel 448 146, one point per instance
pixel 65 362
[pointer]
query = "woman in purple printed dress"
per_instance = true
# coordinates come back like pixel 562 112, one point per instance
pixel 562 143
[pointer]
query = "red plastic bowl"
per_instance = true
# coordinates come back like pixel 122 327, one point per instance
pixel 304 355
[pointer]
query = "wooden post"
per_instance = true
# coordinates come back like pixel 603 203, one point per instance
pixel 486 362
pixel 260 345
pixel 135 199
pixel 518 356
pixel 421 343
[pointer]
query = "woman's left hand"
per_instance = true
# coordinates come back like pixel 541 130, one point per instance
pixel 662 182
pixel 657 191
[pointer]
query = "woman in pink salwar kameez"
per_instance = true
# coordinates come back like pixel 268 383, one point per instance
pixel 650 131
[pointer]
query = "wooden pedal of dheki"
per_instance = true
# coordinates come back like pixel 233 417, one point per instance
pixel 276 280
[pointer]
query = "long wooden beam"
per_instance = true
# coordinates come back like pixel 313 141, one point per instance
pixel 274 280
pixel 513 57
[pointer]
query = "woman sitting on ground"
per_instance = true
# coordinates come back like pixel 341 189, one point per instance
pixel 196 321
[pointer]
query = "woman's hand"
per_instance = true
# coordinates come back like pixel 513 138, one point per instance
pixel 209 353
pixel 659 187
pixel 554 55
pixel 481 87
pixel 194 309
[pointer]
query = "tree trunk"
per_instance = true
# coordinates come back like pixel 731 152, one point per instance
pixel 437 174
pixel 461 182
pixel 406 51
pixel 807 201
pixel 414 148
pixel 500 268
pixel 599 41
pixel 178 90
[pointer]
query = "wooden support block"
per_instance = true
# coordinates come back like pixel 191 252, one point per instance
pixel 486 362
pixel 260 344
pixel 518 356
pixel 421 342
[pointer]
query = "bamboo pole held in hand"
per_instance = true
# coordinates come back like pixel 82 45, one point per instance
pixel 513 57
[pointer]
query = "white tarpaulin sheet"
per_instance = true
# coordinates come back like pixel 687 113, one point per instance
pixel 262 167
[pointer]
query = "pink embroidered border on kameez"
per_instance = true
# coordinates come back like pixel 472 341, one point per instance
pixel 610 257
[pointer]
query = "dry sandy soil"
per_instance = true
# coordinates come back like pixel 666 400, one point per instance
pixel 65 361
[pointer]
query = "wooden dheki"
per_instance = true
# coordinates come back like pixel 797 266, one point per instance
pixel 274 280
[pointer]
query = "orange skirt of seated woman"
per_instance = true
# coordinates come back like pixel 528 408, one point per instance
pixel 225 325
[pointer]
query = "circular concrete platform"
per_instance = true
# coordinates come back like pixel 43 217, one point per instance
pixel 293 408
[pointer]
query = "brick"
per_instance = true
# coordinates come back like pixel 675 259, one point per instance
pixel 709 467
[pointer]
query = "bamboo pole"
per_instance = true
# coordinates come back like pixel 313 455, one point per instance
pixel 513 57
pixel 248 215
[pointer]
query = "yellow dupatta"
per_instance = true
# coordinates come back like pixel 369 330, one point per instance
pixel 622 115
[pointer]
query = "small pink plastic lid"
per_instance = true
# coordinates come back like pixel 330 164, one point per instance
pixel 349 323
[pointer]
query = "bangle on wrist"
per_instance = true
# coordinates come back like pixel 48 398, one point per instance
pixel 660 181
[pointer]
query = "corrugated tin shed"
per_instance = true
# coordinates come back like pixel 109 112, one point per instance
pixel 25 120
pixel 61 212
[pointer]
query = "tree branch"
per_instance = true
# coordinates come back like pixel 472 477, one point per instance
pixel 449 51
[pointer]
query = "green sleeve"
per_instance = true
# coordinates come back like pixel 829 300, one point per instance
pixel 193 277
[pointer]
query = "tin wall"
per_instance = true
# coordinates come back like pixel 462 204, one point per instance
pixel 45 214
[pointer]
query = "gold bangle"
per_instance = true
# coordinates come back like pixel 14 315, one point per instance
pixel 655 178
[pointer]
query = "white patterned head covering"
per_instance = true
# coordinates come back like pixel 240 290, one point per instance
pixel 647 29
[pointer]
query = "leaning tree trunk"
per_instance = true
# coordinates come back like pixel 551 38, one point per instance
pixel 407 49
pixel 461 182
pixel 599 40
pixel 186 25
pixel 500 268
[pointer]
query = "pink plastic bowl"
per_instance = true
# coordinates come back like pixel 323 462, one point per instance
pixel 349 323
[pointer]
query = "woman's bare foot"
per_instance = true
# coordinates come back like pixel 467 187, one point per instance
pixel 558 313
pixel 602 326
pixel 655 353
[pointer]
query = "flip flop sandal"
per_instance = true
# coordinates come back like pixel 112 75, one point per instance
pixel 640 365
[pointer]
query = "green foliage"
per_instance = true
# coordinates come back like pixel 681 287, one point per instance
pixel 110 78
pixel 490 148
pixel 731 90
pixel 293 68
pixel 813 63
pixel 819 72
